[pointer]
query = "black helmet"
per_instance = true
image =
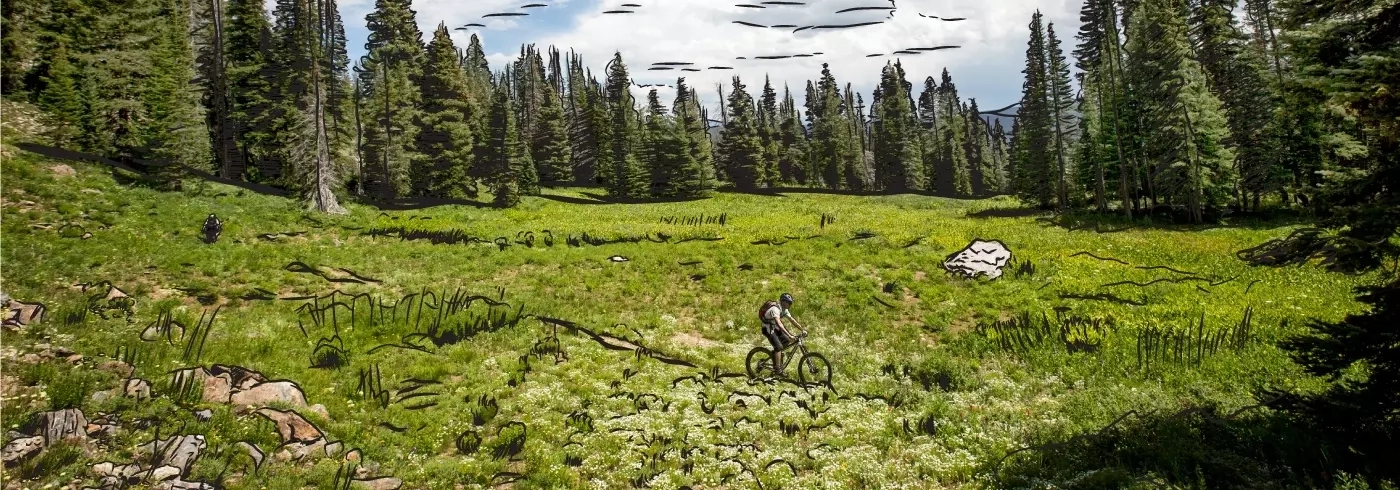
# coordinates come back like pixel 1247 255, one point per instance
pixel 786 298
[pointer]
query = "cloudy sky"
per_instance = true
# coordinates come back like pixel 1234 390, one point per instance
pixel 986 66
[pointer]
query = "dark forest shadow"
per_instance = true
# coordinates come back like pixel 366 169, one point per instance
pixel 1007 213
pixel 1249 448
pixel 1174 219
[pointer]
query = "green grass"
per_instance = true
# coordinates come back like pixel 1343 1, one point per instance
pixel 147 243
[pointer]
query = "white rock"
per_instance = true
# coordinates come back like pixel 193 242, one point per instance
pixel 979 258
pixel 164 473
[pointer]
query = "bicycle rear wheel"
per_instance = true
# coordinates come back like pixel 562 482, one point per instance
pixel 759 363
pixel 813 368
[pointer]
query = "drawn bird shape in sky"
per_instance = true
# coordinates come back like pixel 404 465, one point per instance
pixel 618 12
pixel 505 14
pixel 533 5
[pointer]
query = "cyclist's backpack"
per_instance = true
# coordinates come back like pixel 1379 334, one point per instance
pixel 764 309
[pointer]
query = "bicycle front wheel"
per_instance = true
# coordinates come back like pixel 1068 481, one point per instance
pixel 759 363
pixel 813 368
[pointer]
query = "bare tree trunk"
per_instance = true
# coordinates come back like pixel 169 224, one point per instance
pixel 1193 202
pixel 1099 202
pixel 322 196
pixel 359 142
pixel 1114 64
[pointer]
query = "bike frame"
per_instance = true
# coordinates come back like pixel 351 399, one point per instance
pixel 800 346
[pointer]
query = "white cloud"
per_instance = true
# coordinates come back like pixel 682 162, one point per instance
pixel 987 66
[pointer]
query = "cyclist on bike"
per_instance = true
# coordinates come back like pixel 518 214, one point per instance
pixel 771 314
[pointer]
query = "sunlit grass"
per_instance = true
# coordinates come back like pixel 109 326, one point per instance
pixel 147 243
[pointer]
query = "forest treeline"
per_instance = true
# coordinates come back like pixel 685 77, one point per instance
pixel 1201 106
pixel 274 99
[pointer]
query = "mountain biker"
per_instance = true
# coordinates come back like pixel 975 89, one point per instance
pixel 771 314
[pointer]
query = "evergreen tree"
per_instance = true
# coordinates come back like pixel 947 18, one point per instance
pixel 174 123
pixel 954 127
pixel 938 181
pixel 389 75
pixel 792 156
pixel 1001 159
pixel 768 134
pixel 624 178
pixel 248 55
pixel 1061 103
pixel 61 100
pixel 1185 119
pixel 1237 74
pixel 695 174
pixel 982 168
pixel 1033 168
pixel 445 139
pixel 504 153
pixel 550 148
pixel 894 138
pixel 1360 354
pixel 740 147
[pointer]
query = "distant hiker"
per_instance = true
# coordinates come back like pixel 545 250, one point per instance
pixel 212 228
pixel 771 314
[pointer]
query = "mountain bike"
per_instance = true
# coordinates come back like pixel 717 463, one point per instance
pixel 811 366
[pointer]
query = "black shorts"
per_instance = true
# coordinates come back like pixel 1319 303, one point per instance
pixel 776 337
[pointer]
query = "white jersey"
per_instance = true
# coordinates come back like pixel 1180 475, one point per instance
pixel 772 314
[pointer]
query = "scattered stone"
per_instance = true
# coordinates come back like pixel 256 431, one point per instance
pixel 334 448
pixel 109 482
pixel 265 393
pixel 320 409
pixel 62 424
pixel 31 358
pixel 178 484
pixel 136 388
pixel 126 471
pixel 62 351
pixel 13 434
pixel 353 456
pixel 62 170
pixel 291 426
pixel 204 415
pixel 21 449
pixel 177 451
pixel 979 258
pixel 101 395
pixel 384 483
pixel 20 314
pixel 117 367
pixel 240 378
pixel 253 452
pixel 298 451
pixel 74 359
pixel 153 332
pixel 101 430
pixel 164 473
pixel 103 469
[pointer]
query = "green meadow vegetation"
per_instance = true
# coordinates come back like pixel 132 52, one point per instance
pixel 570 370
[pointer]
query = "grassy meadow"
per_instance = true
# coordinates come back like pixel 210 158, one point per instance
pixel 926 392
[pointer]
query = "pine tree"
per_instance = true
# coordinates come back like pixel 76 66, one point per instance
pixel 740 147
pixel 1360 354
pixel 792 141
pixel 1185 119
pixel 174 130
pixel 930 140
pixel 389 75
pixel 248 49
pixel 954 161
pixel 550 148
pixel 1237 74
pixel 695 173
pixel 1001 159
pixel 61 100
pixel 768 134
pixel 503 151
pixel 624 178
pixel 983 170
pixel 1061 103
pixel 445 139
pixel 1034 170
pixel 894 138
